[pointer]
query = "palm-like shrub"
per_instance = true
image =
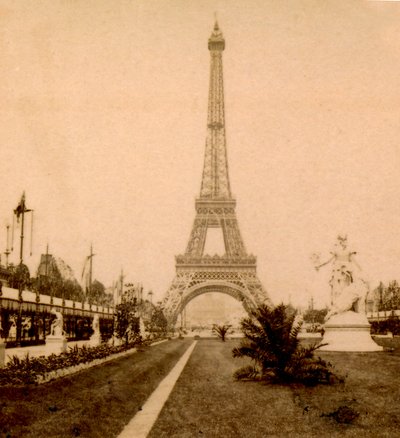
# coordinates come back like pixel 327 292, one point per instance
pixel 221 330
pixel 272 344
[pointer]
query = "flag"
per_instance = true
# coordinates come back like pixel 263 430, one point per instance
pixel 21 207
pixel 84 267
pixel 85 275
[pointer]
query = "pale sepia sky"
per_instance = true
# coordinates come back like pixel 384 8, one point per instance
pixel 103 123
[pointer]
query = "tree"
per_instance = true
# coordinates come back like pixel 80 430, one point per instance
pixel 271 343
pixel 20 276
pixel 158 322
pixel 393 295
pixel 71 290
pixel 387 298
pixel 96 292
pixel 221 330
pixel 127 321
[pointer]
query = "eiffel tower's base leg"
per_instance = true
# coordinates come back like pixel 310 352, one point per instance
pixel 243 286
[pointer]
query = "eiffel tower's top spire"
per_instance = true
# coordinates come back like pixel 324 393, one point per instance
pixel 216 40
pixel 215 182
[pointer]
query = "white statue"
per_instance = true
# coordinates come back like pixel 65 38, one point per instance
pixel 95 339
pixel 56 328
pixel 348 289
pixel 96 325
pixel 12 333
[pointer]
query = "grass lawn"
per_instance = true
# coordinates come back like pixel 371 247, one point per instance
pixel 97 402
pixel 207 402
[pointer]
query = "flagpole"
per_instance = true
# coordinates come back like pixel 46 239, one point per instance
pixel 7 251
pixel 20 211
pixel 49 282
pixel 90 276
pixel 21 249
pixel 90 269
pixel 116 302
pixel 122 286
pixel 12 233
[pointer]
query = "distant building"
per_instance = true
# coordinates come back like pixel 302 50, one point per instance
pixel 55 277
pixel 54 268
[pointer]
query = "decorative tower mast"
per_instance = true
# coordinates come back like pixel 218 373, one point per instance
pixel 120 293
pixel 22 270
pixel 233 273
pixel 91 269
pixel 7 252
pixel 90 277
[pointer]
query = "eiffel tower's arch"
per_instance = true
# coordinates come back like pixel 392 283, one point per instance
pixel 234 272
pixel 239 293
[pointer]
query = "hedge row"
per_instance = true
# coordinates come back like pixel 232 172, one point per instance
pixel 391 324
pixel 31 370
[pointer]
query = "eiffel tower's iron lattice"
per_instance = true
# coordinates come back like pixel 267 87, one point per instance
pixel 233 273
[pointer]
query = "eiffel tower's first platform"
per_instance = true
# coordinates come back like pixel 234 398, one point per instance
pixel 233 273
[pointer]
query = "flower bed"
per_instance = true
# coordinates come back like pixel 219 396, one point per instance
pixel 42 369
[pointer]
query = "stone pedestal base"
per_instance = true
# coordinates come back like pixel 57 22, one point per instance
pixel 56 344
pixel 114 340
pixel 2 353
pixel 95 340
pixel 348 331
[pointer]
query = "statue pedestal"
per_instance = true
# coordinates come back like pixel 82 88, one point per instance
pixel 2 353
pixel 56 344
pixel 114 340
pixel 95 340
pixel 348 331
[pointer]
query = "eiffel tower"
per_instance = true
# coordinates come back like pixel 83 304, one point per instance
pixel 233 273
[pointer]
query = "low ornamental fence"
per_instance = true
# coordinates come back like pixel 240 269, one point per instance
pixel 383 315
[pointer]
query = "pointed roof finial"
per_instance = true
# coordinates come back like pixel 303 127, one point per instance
pixel 216 27
pixel 216 41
